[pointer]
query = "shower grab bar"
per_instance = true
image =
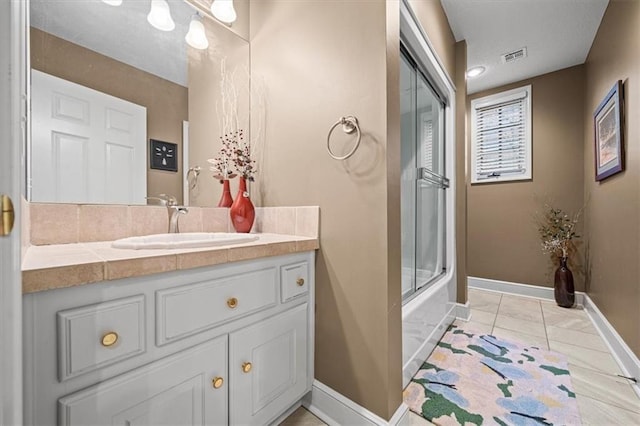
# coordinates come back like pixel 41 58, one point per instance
pixel 349 125
pixel 429 176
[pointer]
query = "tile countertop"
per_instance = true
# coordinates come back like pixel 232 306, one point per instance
pixel 67 265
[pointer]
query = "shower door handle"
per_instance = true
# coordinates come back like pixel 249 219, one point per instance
pixel 434 178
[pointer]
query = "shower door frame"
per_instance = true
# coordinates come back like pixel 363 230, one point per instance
pixel 427 315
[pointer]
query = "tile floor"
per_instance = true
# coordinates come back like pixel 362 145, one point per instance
pixel 603 397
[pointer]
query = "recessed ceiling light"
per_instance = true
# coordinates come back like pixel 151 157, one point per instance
pixel 475 71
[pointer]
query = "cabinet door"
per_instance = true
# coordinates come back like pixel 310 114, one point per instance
pixel 268 367
pixel 178 390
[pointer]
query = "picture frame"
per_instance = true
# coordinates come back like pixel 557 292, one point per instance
pixel 609 134
pixel 163 155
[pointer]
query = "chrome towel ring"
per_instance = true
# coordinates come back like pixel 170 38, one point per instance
pixel 349 125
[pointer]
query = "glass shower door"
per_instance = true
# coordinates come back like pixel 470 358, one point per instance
pixel 423 180
pixel 408 176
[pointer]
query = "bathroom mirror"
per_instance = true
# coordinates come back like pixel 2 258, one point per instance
pixel 105 82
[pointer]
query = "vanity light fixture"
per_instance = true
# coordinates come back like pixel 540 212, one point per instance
pixel 197 37
pixel 113 2
pixel 223 10
pixel 160 16
pixel 475 71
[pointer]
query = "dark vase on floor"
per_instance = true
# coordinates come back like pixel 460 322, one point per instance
pixel 225 200
pixel 242 211
pixel 563 285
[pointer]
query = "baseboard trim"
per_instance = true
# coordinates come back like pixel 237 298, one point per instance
pixel 624 356
pixel 334 408
pixel 463 311
pixel 526 290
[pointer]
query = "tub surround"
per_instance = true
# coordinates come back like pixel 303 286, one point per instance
pixel 79 251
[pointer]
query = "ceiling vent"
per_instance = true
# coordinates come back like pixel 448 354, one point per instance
pixel 514 56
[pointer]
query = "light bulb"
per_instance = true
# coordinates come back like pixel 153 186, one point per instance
pixel 160 16
pixel 223 10
pixel 113 2
pixel 197 37
pixel 475 71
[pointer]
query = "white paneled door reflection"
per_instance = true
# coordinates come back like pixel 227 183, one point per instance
pixel 86 146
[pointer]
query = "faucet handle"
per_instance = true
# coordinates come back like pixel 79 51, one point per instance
pixel 164 200
pixel 161 201
pixel 169 199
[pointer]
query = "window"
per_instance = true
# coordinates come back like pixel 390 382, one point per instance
pixel 501 137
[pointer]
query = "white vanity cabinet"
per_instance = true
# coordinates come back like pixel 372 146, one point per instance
pixel 228 344
pixel 178 390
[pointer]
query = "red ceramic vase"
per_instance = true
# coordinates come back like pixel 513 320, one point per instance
pixel 242 211
pixel 225 200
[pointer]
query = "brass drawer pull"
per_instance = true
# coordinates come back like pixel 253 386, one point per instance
pixel 232 303
pixel 300 281
pixel 218 382
pixel 109 339
pixel 246 367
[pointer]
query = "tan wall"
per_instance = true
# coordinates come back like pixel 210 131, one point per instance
pixel 503 242
pixel 313 77
pixel 614 207
pixel 461 171
pixel 434 22
pixel 206 109
pixel 320 61
pixel 166 102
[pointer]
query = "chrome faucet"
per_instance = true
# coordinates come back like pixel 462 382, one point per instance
pixel 173 209
pixel 174 215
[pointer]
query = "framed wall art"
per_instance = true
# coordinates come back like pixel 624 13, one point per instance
pixel 609 134
pixel 164 155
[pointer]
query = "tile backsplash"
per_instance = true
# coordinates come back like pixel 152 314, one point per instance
pixel 78 223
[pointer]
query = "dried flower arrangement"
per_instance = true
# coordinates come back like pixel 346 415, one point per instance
pixel 234 152
pixel 222 163
pixel 557 231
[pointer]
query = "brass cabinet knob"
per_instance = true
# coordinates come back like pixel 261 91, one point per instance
pixel 300 281
pixel 232 303
pixel 246 367
pixel 218 382
pixel 109 339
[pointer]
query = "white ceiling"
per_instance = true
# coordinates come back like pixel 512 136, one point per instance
pixel 557 34
pixel 122 32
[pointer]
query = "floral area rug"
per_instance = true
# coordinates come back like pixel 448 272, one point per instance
pixel 473 378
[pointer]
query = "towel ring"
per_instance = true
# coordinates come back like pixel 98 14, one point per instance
pixel 349 125
pixel 196 171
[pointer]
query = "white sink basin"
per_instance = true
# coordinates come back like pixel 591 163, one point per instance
pixel 185 240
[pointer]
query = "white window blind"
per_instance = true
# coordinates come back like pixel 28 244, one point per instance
pixel 501 136
pixel 427 143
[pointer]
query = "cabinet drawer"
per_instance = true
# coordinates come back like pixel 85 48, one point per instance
pixel 191 309
pixel 190 388
pixel 294 280
pixel 94 336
